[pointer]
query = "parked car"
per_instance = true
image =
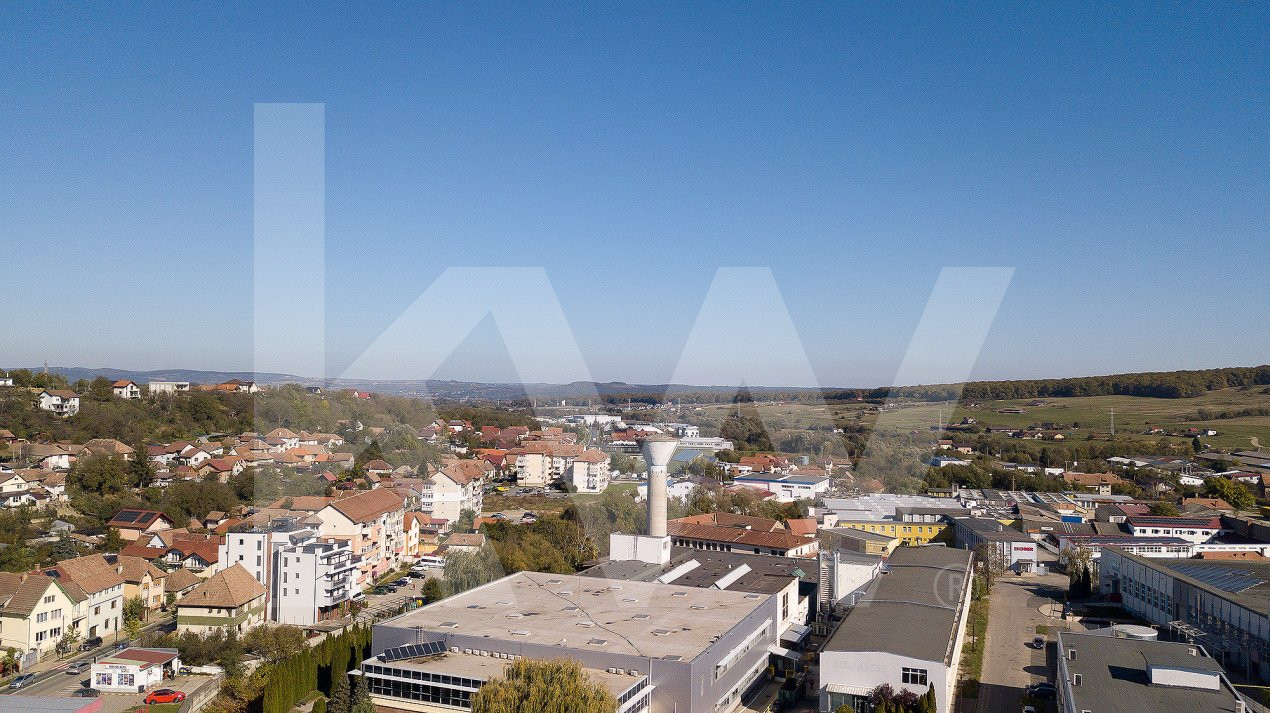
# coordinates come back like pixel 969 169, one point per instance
pixel 1038 642
pixel 164 695
pixel 77 667
pixel 1029 709
pixel 86 693
pixel 380 590
pixel 1044 691
pixel 122 645
pixel 90 643
pixel 22 680
pixel 416 573
pixel 186 671
pixel 403 582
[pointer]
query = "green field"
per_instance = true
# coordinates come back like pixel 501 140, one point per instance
pixel 1079 417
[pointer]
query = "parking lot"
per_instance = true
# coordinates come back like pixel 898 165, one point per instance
pixel 60 683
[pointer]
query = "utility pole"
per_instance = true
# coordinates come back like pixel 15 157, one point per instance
pixel 1112 412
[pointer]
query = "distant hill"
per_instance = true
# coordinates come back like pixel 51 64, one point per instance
pixel 1172 384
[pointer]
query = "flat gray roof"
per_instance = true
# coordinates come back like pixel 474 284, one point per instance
pixel 1113 675
pixel 767 574
pixel 913 609
pixel 634 618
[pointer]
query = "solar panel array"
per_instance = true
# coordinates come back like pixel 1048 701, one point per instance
pixel 130 515
pixel 413 651
pixel 1223 578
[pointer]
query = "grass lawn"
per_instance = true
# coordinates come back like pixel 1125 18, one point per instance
pixel 972 651
pixel 156 708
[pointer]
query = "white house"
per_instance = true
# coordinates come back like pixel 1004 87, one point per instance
pixel 102 583
pixel 62 402
pixel 126 389
pixel 169 387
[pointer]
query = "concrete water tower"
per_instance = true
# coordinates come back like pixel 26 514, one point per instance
pixel 657 452
pixel 653 547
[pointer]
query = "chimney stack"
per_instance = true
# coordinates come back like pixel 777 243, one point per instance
pixel 658 449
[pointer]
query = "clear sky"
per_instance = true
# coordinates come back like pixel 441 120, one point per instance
pixel 1116 158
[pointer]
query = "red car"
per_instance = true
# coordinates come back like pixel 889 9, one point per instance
pixel 165 695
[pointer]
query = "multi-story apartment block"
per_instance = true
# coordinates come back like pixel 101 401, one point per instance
pixel 540 463
pixel 372 523
pixel 305 580
pixel 589 472
pixel 457 487
pixel 312 581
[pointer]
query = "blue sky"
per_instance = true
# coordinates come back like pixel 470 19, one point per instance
pixel 1116 158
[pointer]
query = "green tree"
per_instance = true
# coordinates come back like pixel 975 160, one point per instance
pixel 341 695
pixel 1233 492
pixel 64 548
pixel 1164 509
pixel 537 686
pixel 361 698
pixel 432 590
pixel 465 520
pixel 844 708
pixel 68 642
pixel 112 542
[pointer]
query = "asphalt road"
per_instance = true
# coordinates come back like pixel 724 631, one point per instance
pixel 52 680
pixel 1010 663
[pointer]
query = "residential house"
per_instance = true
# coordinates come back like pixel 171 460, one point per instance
pixel 36 610
pixel 231 599
pixel 180 582
pixel 143 580
pixel 132 523
pixel 109 447
pixel 126 389
pixel 102 584
pixel 60 402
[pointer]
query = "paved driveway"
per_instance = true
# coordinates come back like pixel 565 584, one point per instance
pixel 1010 664
pixel 63 684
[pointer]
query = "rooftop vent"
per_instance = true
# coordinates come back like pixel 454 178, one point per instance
pixel 661 632
pixel 450 624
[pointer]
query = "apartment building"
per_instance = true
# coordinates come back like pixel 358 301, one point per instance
pixel 589 472
pixel 540 463
pixel 457 487
pixel 312 582
pixel 372 523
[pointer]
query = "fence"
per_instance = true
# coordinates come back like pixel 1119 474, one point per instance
pixel 200 696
